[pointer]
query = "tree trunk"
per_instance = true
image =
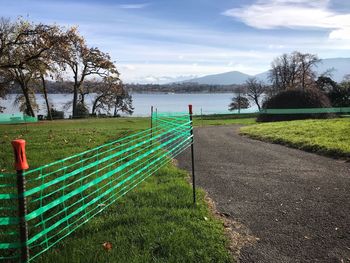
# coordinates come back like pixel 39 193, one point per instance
pixel 46 98
pixel 29 108
pixel 94 105
pixel 82 98
pixel 75 100
pixel 115 108
pixel 257 103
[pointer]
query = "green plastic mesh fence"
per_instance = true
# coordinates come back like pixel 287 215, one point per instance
pixel 63 195
pixel 343 110
pixel 16 118
pixel 306 110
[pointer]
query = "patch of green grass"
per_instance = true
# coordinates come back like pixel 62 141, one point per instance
pixel 328 137
pixel 223 120
pixel 156 222
pixel 50 141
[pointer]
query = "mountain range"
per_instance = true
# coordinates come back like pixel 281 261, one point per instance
pixel 339 66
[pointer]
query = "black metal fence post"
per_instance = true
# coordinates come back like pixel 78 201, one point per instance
pixel 151 124
pixel 201 117
pixel 192 156
pixel 155 120
pixel 21 165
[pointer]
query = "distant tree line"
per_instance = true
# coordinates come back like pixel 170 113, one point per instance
pixel 36 58
pixel 294 72
pixel 65 86
pixel 183 87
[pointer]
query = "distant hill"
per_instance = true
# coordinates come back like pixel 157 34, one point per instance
pixel 228 78
pixel 340 66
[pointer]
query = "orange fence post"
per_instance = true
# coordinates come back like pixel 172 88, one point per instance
pixel 21 165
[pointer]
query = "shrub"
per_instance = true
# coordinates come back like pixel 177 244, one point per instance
pixel 340 95
pixel 238 103
pixel 295 99
pixel 82 111
pixel 56 114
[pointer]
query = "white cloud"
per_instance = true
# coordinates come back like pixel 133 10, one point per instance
pixel 129 67
pixel 151 79
pixel 133 6
pixel 273 46
pixel 145 46
pixel 270 14
pixel 343 33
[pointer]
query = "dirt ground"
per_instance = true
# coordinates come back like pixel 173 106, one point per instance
pixel 296 203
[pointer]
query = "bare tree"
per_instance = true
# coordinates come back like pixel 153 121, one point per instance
pixel 283 72
pixel 123 103
pixel 22 102
pixel 5 85
pixel 24 49
pixel 240 101
pixel 306 72
pixel 293 71
pixel 29 53
pixel 48 66
pixel 111 94
pixel 22 42
pixel 23 77
pixel 255 89
pixel 84 62
pixel 45 68
pixel 326 84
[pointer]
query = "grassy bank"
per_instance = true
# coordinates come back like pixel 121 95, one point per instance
pixel 156 222
pixel 328 137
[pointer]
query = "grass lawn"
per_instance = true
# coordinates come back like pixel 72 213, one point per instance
pixel 329 137
pixel 224 120
pixel 156 222
pixel 62 138
pixel 50 141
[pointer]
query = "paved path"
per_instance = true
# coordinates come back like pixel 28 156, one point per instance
pixel 297 203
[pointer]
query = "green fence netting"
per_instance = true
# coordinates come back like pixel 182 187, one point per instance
pixel 306 111
pixel 16 118
pixel 63 195
pixel 339 110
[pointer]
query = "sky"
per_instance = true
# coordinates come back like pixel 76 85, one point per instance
pixel 160 41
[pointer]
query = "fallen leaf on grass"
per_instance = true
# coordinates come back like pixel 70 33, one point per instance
pixel 107 246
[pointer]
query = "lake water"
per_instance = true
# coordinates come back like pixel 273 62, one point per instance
pixel 208 102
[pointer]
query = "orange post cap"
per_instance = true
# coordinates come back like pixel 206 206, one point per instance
pixel 19 148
